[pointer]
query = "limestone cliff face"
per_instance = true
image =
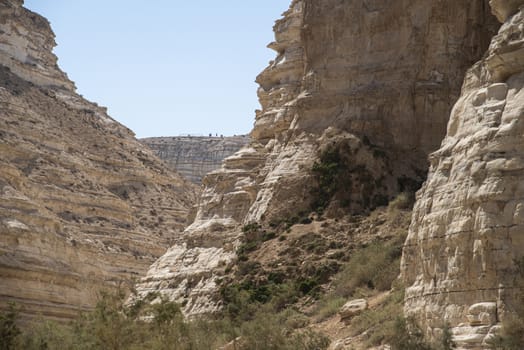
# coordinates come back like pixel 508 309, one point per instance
pixel 193 157
pixel 460 259
pixel 83 204
pixel 377 76
pixel 26 44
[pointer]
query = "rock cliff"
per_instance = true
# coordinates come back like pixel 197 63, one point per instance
pixel 463 258
pixel 84 206
pixel 193 157
pixel 375 80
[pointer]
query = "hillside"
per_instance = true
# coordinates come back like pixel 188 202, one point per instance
pixel 377 204
pixel 84 205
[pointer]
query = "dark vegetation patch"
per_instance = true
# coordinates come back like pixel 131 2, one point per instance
pixel 344 179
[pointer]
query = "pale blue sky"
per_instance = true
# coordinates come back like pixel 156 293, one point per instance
pixel 166 67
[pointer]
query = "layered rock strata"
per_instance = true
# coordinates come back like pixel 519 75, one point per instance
pixel 464 255
pixel 377 76
pixel 193 157
pixel 83 205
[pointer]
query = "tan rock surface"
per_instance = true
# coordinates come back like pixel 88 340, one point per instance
pixel 352 308
pixel 378 76
pixel 460 257
pixel 26 44
pixel 195 156
pixel 83 205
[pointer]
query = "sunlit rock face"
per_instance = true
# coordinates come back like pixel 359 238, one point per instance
pixel 380 76
pixel 26 44
pixel 193 157
pixel 460 259
pixel 83 205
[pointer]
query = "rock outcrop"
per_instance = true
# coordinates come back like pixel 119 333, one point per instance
pixel 464 255
pixel 378 77
pixel 83 205
pixel 26 44
pixel 194 156
pixel 352 308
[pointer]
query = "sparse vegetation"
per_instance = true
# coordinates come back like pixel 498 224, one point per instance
pixel 375 266
pixel 329 173
pixel 512 333
pixel 403 201
pixel 380 322
pixel 407 336
pixel 341 177
pixel 9 330
pixel 267 303
pixel 447 342
pixel 329 306
pixel 112 326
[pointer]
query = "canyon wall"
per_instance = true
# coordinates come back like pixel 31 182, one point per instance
pixel 377 77
pixel 194 156
pixel 463 260
pixel 83 205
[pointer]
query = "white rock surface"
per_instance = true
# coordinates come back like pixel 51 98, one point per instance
pixel 466 233
pixel 378 76
pixel 26 44
pixel 195 156
pixel 352 308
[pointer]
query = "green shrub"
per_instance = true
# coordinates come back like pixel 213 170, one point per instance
pixel 252 227
pixel 407 336
pixel 375 267
pixel 512 335
pixel 9 330
pixel 328 172
pixel 308 285
pixel 403 201
pixel 43 334
pixel 380 322
pixel 110 326
pixel 270 331
pixel 268 236
pixel 446 342
pixel 329 306
pixel 512 332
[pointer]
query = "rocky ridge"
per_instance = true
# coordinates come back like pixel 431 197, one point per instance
pixel 195 156
pixel 380 88
pixel 84 206
pixel 463 258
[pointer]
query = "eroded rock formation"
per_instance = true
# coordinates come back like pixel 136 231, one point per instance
pixel 461 259
pixel 379 77
pixel 193 156
pixel 83 205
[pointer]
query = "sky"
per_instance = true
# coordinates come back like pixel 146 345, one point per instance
pixel 166 67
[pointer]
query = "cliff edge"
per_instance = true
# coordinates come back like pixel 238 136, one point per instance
pixel 370 81
pixel 195 156
pixel 84 206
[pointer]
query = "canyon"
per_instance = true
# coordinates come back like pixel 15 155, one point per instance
pixel 366 103
pixel 380 88
pixel 85 206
